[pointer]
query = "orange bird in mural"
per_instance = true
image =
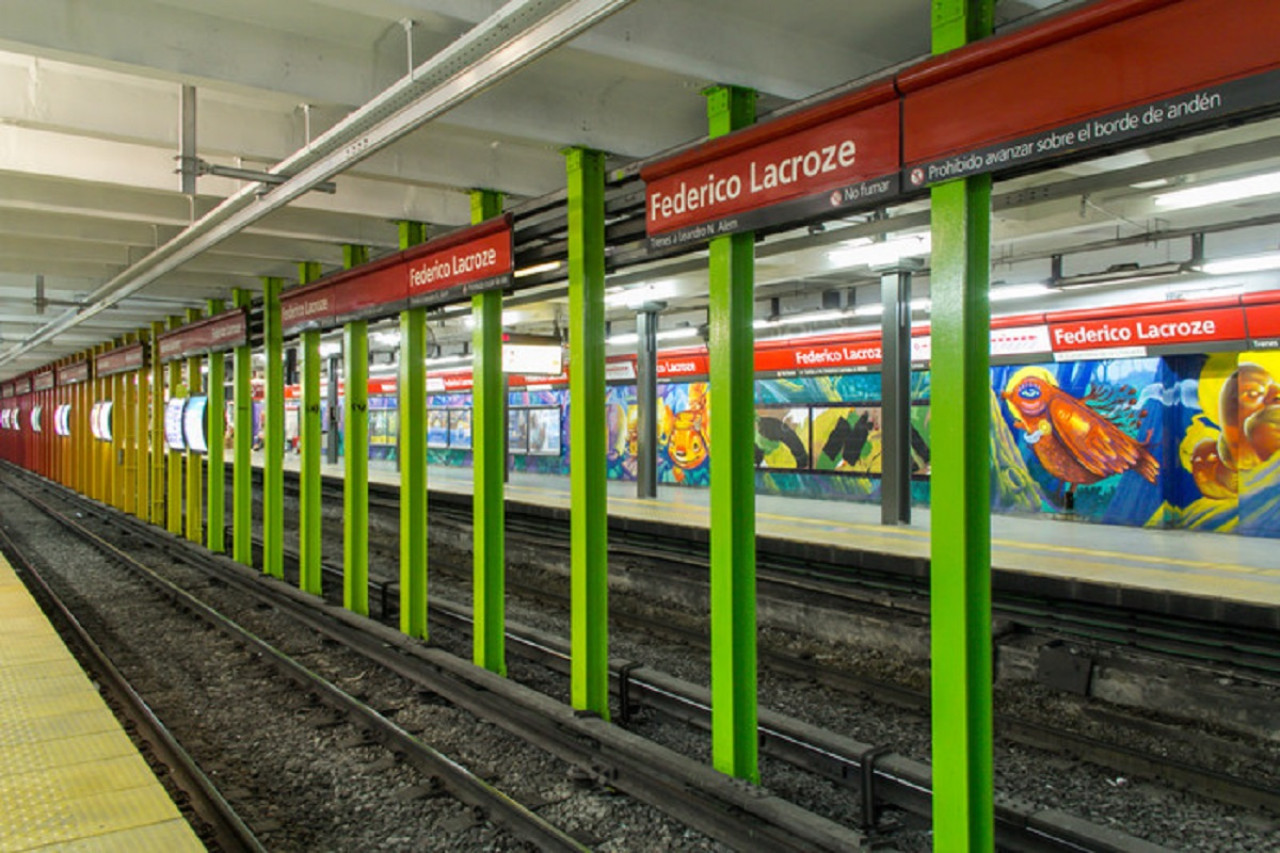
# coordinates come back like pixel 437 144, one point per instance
pixel 1072 441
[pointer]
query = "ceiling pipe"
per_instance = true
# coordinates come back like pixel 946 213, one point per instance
pixel 514 36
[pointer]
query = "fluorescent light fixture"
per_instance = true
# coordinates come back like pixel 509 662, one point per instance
pixel 868 310
pixel 881 254
pixel 330 349
pixel 1237 190
pixel 634 297
pixel 509 318
pixel 668 335
pixel 1205 292
pixel 549 266
pixel 1249 263
pixel 1017 291
pixel 385 339
pixel 822 333
pixel 800 319
pixel 1152 184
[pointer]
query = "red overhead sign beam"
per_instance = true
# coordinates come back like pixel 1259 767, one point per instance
pixel 446 269
pixel 219 333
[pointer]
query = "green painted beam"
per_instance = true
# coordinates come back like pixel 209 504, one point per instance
pixel 589 497
pixel 216 499
pixel 489 456
pixel 242 447
pixel 173 491
pixel 273 432
pixel 355 492
pixel 412 393
pixel 734 747
pixel 157 431
pixel 195 464
pixel 960 541
pixel 310 522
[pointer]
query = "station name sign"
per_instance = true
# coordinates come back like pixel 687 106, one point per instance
pixel 122 360
pixel 43 381
pixel 825 161
pixel 220 333
pixel 449 268
pixel 74 374
pixel 1089 80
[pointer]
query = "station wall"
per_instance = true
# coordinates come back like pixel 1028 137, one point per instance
pixel 1186 441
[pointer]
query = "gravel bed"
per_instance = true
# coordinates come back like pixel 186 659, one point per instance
pixel 1151 811
pixel 300 777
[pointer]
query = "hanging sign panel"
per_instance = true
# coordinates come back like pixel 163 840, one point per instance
pixel 1100 78
pixel 1137 334
pixel 22 385
pixel 226 331
pixel 1262 315
pixel 122 360
pixel 836 157
pixel 446 269
pixel 74 374
pixel 43 381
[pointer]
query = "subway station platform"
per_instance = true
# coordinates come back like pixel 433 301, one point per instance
pixel 70 778
pixel 1205 575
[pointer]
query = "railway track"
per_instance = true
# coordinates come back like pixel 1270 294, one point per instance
pixel 901 585
pixel 215 821
pixel 740 816
pixel 463 784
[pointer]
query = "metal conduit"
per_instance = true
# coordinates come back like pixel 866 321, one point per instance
pixel 514 36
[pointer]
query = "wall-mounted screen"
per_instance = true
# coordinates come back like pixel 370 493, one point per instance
pixel 173 423
pixel 62 419
pixel 37 414
pixel 193 424
pixel 104 420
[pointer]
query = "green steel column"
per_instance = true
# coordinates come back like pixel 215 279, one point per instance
pixel 273 433
pixel 589 519
pixel 355 492
pixel 412 233
pixel 143 432
pixel 173 493
pixel 733 491
pixel 195 464
pixel 488 452
pixel 157 431
pixel 310 520
pixel 412 388
pixel 242 435
pixel 960 544
pixel 353 256
pixel 215 513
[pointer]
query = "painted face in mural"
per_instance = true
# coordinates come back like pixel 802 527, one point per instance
pixel 688 447
pixel 1214 478
pixel 1072 441
pixel 1250 406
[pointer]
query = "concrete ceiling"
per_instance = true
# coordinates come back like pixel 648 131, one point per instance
pixel 90 115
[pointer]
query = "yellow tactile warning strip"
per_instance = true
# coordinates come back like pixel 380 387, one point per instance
pixel 70 778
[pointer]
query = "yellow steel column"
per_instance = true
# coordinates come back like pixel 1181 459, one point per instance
pixel 142 436
pixel 128 420
pixel 156 472
pixel 173 489
pixel 195 462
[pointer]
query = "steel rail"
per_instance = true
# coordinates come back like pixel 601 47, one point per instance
pixel 229 831
pixel 737 814
pixel 461 782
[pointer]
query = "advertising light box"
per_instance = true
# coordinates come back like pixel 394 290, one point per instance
pixel 103 420
pixel 36 413
pixel 533 359
pixel 173 423
pixel 4 418
pixel 193 424
pixel 62 419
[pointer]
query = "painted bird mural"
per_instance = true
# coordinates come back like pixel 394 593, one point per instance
pixel 1073 441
